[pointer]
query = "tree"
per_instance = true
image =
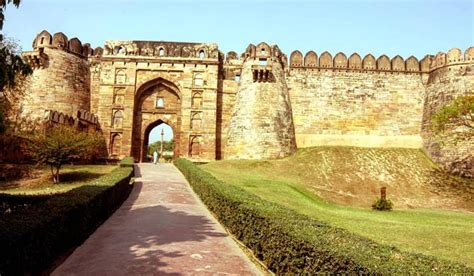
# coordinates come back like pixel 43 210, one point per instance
pixel 456 118
pixel 3 5
pixel 167 146
pixel 61 144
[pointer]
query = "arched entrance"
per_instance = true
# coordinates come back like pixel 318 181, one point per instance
pixel 156 102
pixel 157 133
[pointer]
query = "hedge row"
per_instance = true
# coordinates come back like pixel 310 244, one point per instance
pixel 32 239
pixel 288 242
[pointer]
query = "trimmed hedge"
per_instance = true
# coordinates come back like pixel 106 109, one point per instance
pixel 126 162
pixel 292 243
pixel 32 239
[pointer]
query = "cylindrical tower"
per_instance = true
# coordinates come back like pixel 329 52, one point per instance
pixel 261 125
pixel 60 79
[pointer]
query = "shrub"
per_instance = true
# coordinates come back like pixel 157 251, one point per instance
pixel 382 204
pixel 127 162
pixel 291 243
pixel 31 239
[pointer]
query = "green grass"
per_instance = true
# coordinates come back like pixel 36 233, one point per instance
pixel 71 177
pixel 291 182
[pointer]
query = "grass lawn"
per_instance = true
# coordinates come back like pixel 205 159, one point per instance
pixel 294 182
pixel 71 176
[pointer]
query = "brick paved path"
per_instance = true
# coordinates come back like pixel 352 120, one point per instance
pixel 161 229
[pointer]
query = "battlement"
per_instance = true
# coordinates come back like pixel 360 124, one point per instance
pixel 84 120
pixel 161 49
pixel 453 57
pixel 340 62
pixel 61 42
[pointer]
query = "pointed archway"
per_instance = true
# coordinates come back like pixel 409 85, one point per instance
pixel 156 102
pixel 148 139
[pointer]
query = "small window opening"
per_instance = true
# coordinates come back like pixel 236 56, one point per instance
pixel 42 40
pixel 263 52
pixel 262 62
pixel 237 78
pixel 162 52
pixel 160 103
pixel 201 54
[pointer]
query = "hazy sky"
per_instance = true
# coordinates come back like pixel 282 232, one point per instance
pixel 403 27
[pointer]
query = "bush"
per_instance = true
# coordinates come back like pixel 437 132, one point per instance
pixel 127 162
pixel 291 243
pixel 382 204
pixel 31 239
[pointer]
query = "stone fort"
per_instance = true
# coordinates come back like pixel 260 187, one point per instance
pixel 256 105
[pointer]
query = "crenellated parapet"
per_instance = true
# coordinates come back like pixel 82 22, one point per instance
pixel 161 49
pixel 453 57
pixel 369 63
pixel 60 41
pixel 84 120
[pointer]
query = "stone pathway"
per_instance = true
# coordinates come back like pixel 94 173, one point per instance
pixel 161 229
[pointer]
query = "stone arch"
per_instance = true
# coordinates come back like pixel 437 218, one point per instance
pixel 469 54
pixel 454 55
pixel 412 64
pixel 296 59
pixel 43 39
pixel 383 63
pixel 340 60
pixel 311 59
pixel 398 64
pixel 115 144
pixel 117 119
pixel 196 100
pixel 150 127
pixel 195 142
pixel 170 114
pixel 120 76
pixel 325 60
pixel 60 41
pixel 368 63
pixel 75 46
pixel 196 120
pixel 202 53
pixel 355 62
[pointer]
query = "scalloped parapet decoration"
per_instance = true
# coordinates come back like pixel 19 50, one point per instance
pixel 164 49
pixel 355 62
pixel 453 57
pixel 61 42
pixel 83 119
pixel 264 52
pixel 36 59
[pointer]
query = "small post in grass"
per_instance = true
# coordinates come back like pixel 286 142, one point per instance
pixel 382 203
pixel 383 193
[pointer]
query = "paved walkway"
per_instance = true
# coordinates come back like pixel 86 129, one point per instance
pixel 161 229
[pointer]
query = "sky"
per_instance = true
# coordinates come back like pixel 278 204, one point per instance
pixel 395 27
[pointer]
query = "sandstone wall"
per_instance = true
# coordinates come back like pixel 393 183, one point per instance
pixel 62 84
pixel 451 75
pixel 370 109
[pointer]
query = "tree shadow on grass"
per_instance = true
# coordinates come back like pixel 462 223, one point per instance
pixel 141 240
pixel 78 176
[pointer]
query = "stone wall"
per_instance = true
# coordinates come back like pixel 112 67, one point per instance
pixel 451 76
pixel 356 108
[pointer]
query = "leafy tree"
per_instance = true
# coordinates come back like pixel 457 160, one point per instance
pixel 3 5
pixel 167 146
pixel 456 115
pixel 61 144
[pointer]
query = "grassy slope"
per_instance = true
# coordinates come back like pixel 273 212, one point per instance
pixel 294 181
pixel 70 176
